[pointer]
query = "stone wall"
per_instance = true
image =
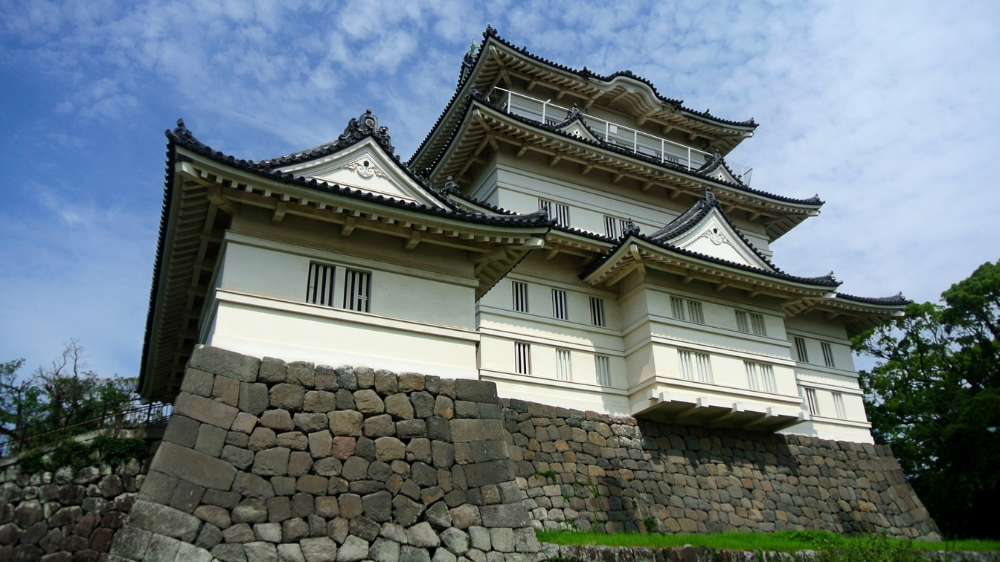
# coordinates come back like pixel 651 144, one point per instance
pixel 264 460
pixel 595 472
pixel 61 516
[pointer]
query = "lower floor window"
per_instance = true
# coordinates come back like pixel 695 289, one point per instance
pixel 563 369
pixel 760 376
pixel 357 290
pixel 838 405
pixel 811 402
pixel 603 365
pixel 695 366
pixel 522 358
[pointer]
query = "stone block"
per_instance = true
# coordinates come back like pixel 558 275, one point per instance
pixel 287 396
pixel 229 553
pixel 131 543
pixel 290 553
pixel 502 539
pixel 328 467
pixel 411 382
pixel 191 553
pixel 419 449
pixel 379 426
pixel 205 410
pixel 254 398
pixel 505 515
pixel 309 422
pixel 253 486
pixel 467 431
pixel 413 554
pixel 399 407
pixel 271 462
pixel 320 401
pixel 444 407
pixel 525 540
pixel 244 422
pixel 158 487
pixel 164 520
pixel 378 506
pixel 198 382
pixel 408 429
pixel 345 378
pixel 209 537
pixel 438 515
pixel 278 420
pixel 386 382
pixel 439 429
pixel 320 443
pixel 444 555
pixel 364 527
pixel 260 552
pixel 294 440
pixel 262 438
pixel 186 496
pixel 388 449
pixel 354 549
pixel 301 373
pixel 215 515
pixel 251 511
pixel 182 431
pixel 367 402
pixel 346 423
pixel 211 439
pixel 476 391
pixel 223 362
pixel 237 439
pixel 311 484
pixel 193 466
pixel 238 533
pixel 492 472
pixel 456 541
pixel 423 404
pixel 320 549
pixel 299 463
pixel 404 510
pixel 327 507
pixel 268 532
pixel 325 378
pixel 226 390
pixel 384 550
pixel 272 371
pixel 239 458
pixel 422 535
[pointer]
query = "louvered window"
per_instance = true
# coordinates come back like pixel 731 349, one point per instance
pixel 320 288
pixel 801 351
pixel 603 365
pixel 613 226
pixel 357 290
pixel 559 305
pixel 695 366
pixel 760 376
pixel 520 296
pixel 750 323
pixel 838 404
pixel 757 324
pixel 827 355
pixel 677 308
pixel 522 358
pixel 811 402
pixel 694 312
pixel 597 311
pixel 556 211
pixel 563 369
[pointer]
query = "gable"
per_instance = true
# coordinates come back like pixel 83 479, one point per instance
pixel 713 236
pixel 722 173
pixel 366 167
pixel 577 129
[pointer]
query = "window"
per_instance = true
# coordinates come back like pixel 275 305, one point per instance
pixel 320 288
pixel 520 294
pixel 556 211
pixel 613 226
pixel 559 305
pixel 800 350
pixel 760 376
pixel 357 290
pixel 597 311
pixel 563 369
pixel 827 354
pixel 811 402
pixel 603 366
pixel 522 358
pixel 687 310
pixel 695 366
pixel 838 404
pixel 750 323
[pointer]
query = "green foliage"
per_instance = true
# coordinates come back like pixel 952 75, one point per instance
pixel 934 397
pixel 63 397
pixel 650 524
pixel 106 449
pixel 548 475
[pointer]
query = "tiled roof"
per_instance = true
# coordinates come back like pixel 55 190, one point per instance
pixel 895 300
pixel 476 98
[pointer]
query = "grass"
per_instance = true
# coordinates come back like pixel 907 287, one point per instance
pixel 782 541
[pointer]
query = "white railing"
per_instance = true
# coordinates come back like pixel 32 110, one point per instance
pixel 628 138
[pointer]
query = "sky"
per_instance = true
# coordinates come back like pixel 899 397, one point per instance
pixel 889 111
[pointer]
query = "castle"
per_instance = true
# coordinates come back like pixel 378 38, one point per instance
pixel 579 240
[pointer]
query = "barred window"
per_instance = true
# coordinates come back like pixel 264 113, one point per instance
pixel 750 323
pixel 522 358
pixel 827 355
pixel 695 366
pixel 556 211
pixel 694 312
pixel 811 402
pixel 603 365
pixel 801 351
pixel 741 322
pixel 563 368
pixel 357 290
pixel 520 294
pixel 838 404
pixel 320 287
pixel 760 376
pixel 677 308
pixel 597 311
pixel 613 226
pixel 757 324
pixel 559 305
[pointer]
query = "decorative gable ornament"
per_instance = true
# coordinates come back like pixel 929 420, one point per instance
pixel 366 169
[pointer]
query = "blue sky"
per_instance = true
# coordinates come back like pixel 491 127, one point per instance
pixel 890 111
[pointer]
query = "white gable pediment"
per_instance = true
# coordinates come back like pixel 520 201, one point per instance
pixel 722 173
pixel 577 129
pixel 366 167
pixel 714 237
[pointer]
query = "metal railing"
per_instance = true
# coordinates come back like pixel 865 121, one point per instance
pixel 133 414
pixel 639 142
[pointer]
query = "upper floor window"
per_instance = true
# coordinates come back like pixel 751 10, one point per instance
pixel 801 351
pixel 613 226
pixel 520 296
pixel 559 305
pixel 827 355
pixel 695 366
pixel 357 290
pixel 750 323
pixel 597 317
pixel 687 310
pixel 563 365
pixel 556 211
pixel 522 358
pixel 811 402
pixel 320 288
pixel 760 376
pixel 602 363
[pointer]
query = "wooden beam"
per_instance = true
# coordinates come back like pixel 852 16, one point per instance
pixel 522 150
pixel 215 196
pixel 642 119
pixel 688 279
pixel 618 178
pixel 721 287
pixel 348 227
pixel 503 68
pixel 832 315
pixel 587 169
pixel 646 186
pixel 413 240
pixel 279 212
pixel 555 160
pixel 551 254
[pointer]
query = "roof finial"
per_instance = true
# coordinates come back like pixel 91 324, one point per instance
pixel 573 112
pixel 709 195
pixel 490 31
pixel 450 187
pixel 630 229
pixel 180 125
pixel 365 125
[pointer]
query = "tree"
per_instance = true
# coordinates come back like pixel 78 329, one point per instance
pixel 934 397
pixel 60 397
